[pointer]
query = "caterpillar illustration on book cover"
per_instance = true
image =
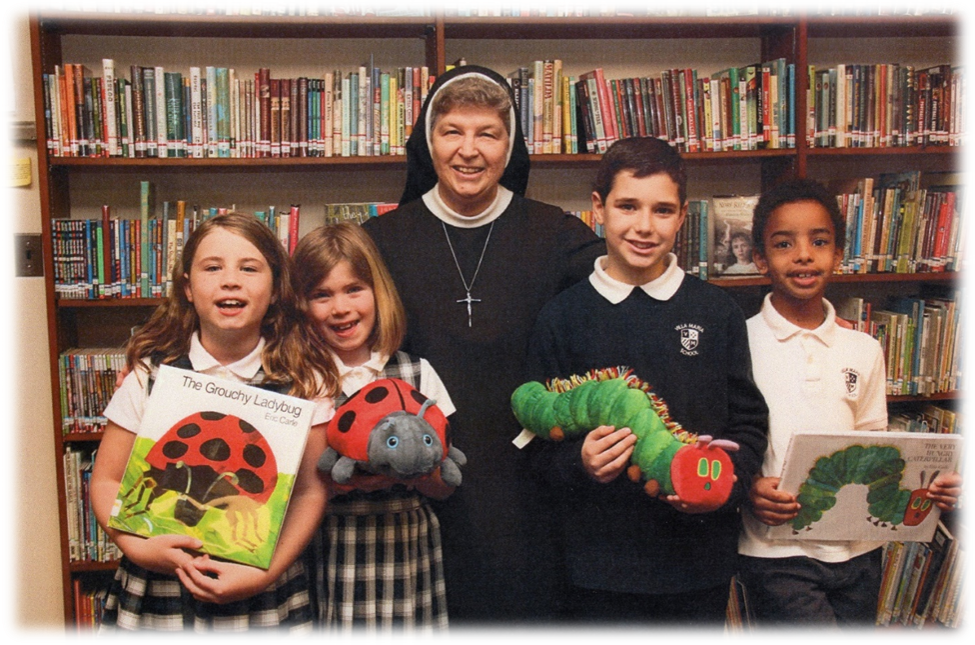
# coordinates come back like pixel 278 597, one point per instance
pixel 216 460
pixel 868 485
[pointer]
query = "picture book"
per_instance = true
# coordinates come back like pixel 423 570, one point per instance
pixel 865 485
pixel 731 252
pixel 214 459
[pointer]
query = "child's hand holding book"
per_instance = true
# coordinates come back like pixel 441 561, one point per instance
pixel 770 505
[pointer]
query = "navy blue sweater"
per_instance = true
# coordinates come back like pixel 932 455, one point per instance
pixel 693 350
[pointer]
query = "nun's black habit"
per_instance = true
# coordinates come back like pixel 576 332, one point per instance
pixel 499 560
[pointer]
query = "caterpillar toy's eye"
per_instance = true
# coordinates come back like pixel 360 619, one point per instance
pixel 427 440
pixel 715 470
pixel 392 442
pixel 926 505
pixel 702 467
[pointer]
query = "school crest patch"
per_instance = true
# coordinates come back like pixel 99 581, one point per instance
pixel 690 338
pixel 851 378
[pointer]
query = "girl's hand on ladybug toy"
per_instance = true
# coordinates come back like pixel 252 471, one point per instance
pixel 221 582
pixel 606 452
pixel 366 482
pixel 945 490
pixel 432 485
pixel 162 553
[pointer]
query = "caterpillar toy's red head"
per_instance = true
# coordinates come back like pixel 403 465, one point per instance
pixel 702 473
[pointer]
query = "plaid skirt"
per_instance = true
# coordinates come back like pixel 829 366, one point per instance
pixel 380 566
pixel 141 599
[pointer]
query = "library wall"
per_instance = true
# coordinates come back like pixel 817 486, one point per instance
pixel 36 577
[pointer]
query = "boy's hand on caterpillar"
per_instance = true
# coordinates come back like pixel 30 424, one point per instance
pixel 606 452
pixel 769 505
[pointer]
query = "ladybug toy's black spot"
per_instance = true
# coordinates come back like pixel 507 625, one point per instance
pixel 212 416
pixel 247 428
pixel 346 421
pixel 254 456
pixel 376 395
pixel 188 431
pixel 419 398
pixel 174 449
pixel 215 449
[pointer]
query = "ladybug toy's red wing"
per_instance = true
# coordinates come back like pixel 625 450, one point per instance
pixel 348 432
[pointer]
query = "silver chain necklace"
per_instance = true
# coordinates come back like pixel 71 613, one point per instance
pixel 467 287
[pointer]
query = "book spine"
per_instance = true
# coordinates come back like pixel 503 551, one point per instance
pixel 111 118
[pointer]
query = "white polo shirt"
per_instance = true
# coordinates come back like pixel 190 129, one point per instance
pixel 129 401
pixel 824 379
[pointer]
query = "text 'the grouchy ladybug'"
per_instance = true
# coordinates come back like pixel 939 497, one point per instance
pixel 389 428
pixel 208 458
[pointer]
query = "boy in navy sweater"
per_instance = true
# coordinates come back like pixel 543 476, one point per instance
pixel 630 557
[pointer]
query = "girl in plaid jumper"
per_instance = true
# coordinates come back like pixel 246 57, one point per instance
pixel 378 555
pixel 232 314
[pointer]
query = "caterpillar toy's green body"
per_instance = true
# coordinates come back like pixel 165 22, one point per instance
pixel 880 468
pixel 669 459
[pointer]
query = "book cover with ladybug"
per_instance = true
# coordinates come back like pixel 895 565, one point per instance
pixel 214 459
pixel 865 485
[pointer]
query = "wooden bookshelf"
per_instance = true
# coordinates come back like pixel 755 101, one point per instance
pixel 72 186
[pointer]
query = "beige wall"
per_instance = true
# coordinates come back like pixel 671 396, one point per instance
pixel 35 580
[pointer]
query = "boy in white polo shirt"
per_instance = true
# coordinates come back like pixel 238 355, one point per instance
pixel 814 374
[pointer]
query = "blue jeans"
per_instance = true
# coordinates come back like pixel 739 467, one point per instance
pixel 802 591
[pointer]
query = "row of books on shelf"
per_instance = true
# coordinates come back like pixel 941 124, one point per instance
pixel 134 258
pixel 747 108
pixel 87 542
pixel 903 223
pixel 256 8
pixel 923 582
pixel 920 338
pixel 930 418
pixel 89 605
pixel 216 112
pixel 87 378
pixel 885 105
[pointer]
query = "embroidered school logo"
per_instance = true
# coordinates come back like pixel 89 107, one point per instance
pixel 690 338
pixel 852 379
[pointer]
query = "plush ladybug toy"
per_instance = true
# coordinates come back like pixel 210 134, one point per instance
pixel 389 428
pixel 195 459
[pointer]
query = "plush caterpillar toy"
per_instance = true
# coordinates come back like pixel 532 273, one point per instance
pixel 880 469
pixel 667 458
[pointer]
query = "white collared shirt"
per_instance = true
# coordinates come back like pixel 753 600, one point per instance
pixel 449 216
pixel 824 379
pixel 663 287
pixel 357 377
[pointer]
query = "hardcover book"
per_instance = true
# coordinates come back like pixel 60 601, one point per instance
pixel 214 459
pixel 731 253
pixel 865 485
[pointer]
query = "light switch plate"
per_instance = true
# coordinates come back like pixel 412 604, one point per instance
pixel 28 257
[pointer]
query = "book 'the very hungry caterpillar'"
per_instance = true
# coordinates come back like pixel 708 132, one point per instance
pixel 865 485
pixel 214 459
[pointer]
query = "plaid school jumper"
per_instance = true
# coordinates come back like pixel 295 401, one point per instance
pixel 378 557
pixel 140 599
